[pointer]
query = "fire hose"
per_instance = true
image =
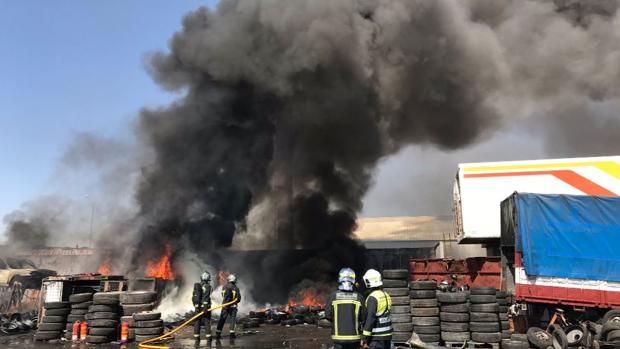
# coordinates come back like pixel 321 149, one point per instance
pixel 169 335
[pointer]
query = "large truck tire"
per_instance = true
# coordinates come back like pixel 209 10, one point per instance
pixel 454 317
pixel 454 326
pixel 482 299
pixel 559 337
pixel 145 316
pixel 483 317
pixel 426 329
pixel 138 297
pixel 425 321
pixel 486 337
pixel 451 297
pixel 80 297
pixel 424 303
pixel 457 337
pixel 484 327
pixel 423 285
pixel 539 338
pixel 399 274
pixel 455 308
pixel 397 291
pixel 483 291
pixel 424 311
pixel 394 283
pixel 423 294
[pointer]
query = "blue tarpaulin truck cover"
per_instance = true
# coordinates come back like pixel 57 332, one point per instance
pixel 569 236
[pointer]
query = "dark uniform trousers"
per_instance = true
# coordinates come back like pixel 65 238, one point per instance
pixel 204 320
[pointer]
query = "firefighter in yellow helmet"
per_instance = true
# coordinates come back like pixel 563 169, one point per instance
pixel 345 309
pixel 377 333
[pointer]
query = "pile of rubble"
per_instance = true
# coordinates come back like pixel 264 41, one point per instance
pixel 285 316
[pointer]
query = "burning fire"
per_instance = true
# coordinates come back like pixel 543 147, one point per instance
pixel 308 298
pixel 161 268
pixel 222 277
pixel 104 268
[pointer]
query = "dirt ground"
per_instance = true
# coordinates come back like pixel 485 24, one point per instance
pixel 264 337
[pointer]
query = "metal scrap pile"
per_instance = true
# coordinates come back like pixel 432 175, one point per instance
pixel 17 322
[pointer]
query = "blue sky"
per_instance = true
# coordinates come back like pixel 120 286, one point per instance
pixel 73 66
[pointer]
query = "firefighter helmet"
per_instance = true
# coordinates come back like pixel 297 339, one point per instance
pixel 232 278
pixel 206 277
pixel 372 278
pixel 346 279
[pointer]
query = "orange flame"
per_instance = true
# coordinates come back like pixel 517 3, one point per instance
pixel 222 277
pixel 161 268
pixel 308 298
pixel 104 268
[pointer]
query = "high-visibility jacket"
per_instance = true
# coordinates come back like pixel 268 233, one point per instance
pixel 378 324
pixel 230 292
pixel 202 295
pixel 345 309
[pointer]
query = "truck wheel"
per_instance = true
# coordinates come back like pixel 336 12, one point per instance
pixel 576 335
pixel 612 315
pixel 539 338
pixel 559 337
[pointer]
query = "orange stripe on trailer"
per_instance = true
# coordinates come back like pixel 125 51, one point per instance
pixel 610 167
pixel 570 177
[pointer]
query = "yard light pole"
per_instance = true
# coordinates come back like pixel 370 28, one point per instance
pixel 92 214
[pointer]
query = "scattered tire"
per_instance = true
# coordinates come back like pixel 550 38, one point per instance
pixel 454 327
pixel 46 335
pixel 577 335
pixel 559 337
pixel 483 317
pixel 400 318
pixel 425 321
pixel 150 330
pixel 539 338
pixel 83 305
pixel 103 323
pixel 400 300
pixel 396 292
pixel 403 327
pixel 145 316
pixel 484 327
pixel 482 298
pixel 429 338
pixel 422 294
pixel 57 312
pixel 394 283
pixel 486 337
pixel 51 326
pixel 401 309
pixel 512 344
pixel 138 297
pixel 424 303
pixel 80 297
pixel 483 291
pixel 150 323
pixel 484 308
pixel 92 339
pixel 454 317
pixel 423 285
pixel 56 305
pixel 400 274
pixel 455 308
pixel 424 311
pixel 458 337
pixel 103 331
pixel 451 297
pixel 426 329
pixel 612 336
pixel 129 309
pixel 103 308
pixel 54 319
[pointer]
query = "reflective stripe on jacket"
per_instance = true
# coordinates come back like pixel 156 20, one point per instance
pixel 378 320
pixel 345 310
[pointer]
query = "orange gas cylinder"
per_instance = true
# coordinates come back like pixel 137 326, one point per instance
pixel 124 332
pixel 83 331
pixel 75 331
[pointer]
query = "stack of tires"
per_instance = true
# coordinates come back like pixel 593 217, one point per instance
pixel 483 316
pixel 147 325
pixel 80 302
pixel 54 321
pixel 133 303
pixel 454 316
pixel 502 302
pixel 425 310
pixel 395 285
pixel 102 317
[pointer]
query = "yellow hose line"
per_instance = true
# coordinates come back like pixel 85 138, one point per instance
pixel 169 335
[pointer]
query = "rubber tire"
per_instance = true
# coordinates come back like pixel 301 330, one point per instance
pixel 157 323
pixel 451 297
pixel 397 292
pixel 103 308
pixel 395 283
pixel 484 308
pixel 109 332
pixel 613 336
pixel 503 309
pixel 484 327
pixel 97 339
pixel 429 338
pixel 486 337
pixel 540 342
pixel 106 301
pixel 424 303
pixel 454 327
pixel 506 334
pixel 455 308
pixel 147 315
pixel 108 315
pixel 403 327
pixel 83 305
pixel 400 318
pixel 57 312
pixel 519 337
pixel 501 295
pixel 97 296
pixel 129 320
pixel 78 312
pixel 400 309
pixel 425 321
pixel 423 285
pixel 142 331
pixel 512 344
pixel 401 337
pixel 502 302
pixel 454 317
pixel 455 337
pixel 482 298
pixel 130 309
pixel 424 311
pixel 483 317
pixel 397 274
pixel 611 314
pixel 75 317
pixel 103 323
pixel 47 335
pixel 483 291
pixel 80 298
pixel 138 297
pixel 56 305
pixel 502 316
pixel 400 300
pixel 559 337
pixel 505 325
pixel 142 338
pixel 423 294
pixel 53 319
pixel 608 327
pixel 426 329
pixel 582 338
pixel 55 326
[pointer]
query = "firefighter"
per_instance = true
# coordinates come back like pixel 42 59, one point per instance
pixel 344 308
pixel 202 301
pixel 230 292
pixel 377 332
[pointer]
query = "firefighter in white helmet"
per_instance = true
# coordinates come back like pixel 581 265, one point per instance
pixel 230 292
pixel 345 309
pixel 202 301
pixel 377 333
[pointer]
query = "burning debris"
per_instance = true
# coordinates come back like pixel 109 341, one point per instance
pixel 161 268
